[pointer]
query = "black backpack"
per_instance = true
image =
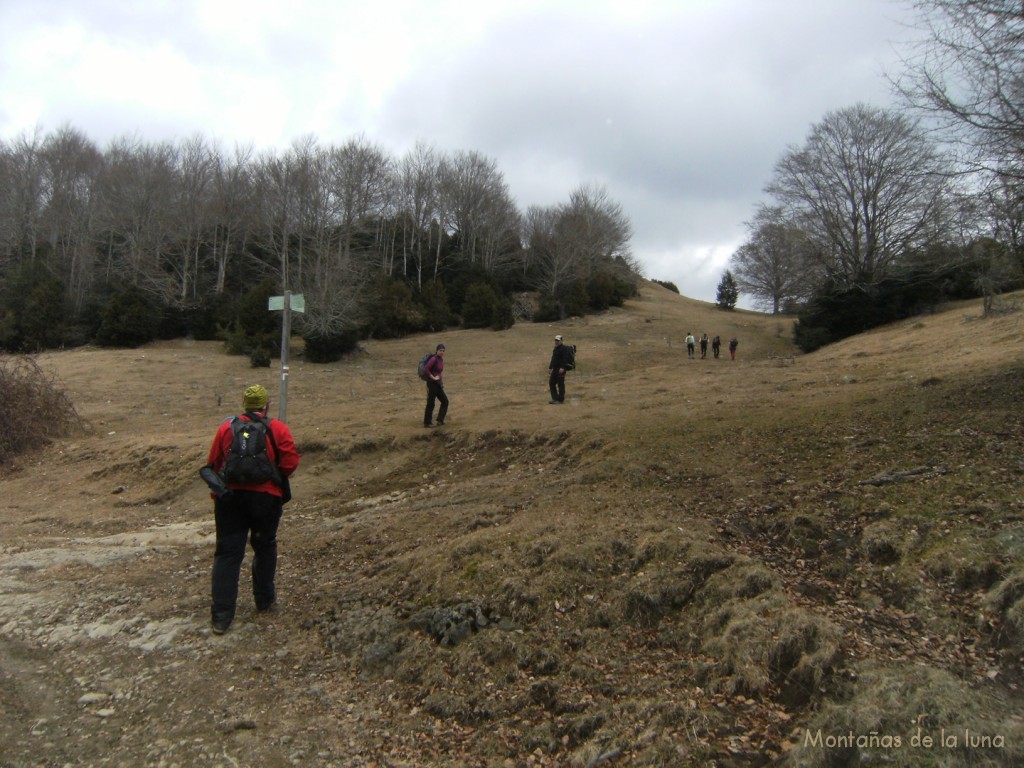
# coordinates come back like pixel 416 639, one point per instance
pixel 570 356
pixel 422 369
pixel 248 462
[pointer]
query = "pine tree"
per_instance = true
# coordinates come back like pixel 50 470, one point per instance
pixel 728 291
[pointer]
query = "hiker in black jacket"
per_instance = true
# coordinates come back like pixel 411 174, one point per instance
pixel 557 367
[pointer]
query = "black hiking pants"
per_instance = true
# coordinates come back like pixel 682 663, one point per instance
pixel 556 383
pixel 244 516
pixel 435 391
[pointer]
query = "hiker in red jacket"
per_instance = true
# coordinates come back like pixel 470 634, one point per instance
pixel 252 509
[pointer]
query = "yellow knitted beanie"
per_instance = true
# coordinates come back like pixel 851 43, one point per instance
pixel 255 398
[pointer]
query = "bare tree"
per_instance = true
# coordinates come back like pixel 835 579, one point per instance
pixel 8 206
pixel 480 209
pixel 775 264
pixel 191 210
pixel 968 73
pixel 339 191
pixel 137 188
pixel 541 237
pixel 534 234
pixel 571 242
pixel 336 292
pixel 275 214
pixel 72 166
pixel 1004 199
pixel 360 185
pixel 231 203
pixel 596 227
pixel 419 205
pixel 23 196
pixel 315 217
pixel 991 237
pixel 867 186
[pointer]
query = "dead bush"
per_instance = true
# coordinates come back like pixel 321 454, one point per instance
pixel 802 654
pixel 540 551
pixel 761 642
pixel 665 587
pixel 965 563
pixel 759 639
pixel 742 579
pixel 34 407
pixel 652 595
pixel 808 533
pixel 662 546
pixel 1006 601
pixel 886 542
pixel 899 586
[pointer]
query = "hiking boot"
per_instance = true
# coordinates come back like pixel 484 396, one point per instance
pixel 219 626
pixel 268 608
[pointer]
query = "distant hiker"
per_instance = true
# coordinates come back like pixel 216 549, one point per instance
pixel 732 347
pixel 690 341
pixel 716 346
pixel 703 346
pixel 435 388
pixel 255 456
pixel 560 362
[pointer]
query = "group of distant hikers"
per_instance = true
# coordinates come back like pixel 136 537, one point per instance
pixel 716 346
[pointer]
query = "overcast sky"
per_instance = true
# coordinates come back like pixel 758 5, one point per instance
pixel 679 108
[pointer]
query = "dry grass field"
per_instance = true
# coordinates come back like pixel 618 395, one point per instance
pixel 801 560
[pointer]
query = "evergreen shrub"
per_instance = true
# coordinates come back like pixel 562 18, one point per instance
pixel 130 318
pixel 330 348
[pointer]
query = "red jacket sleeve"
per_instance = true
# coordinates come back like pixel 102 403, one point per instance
pixel 287 458
pixel 221 443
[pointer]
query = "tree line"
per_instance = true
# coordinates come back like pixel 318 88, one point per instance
pixel 142 240
pixel 881 213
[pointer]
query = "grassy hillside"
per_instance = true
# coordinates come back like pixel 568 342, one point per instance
pixel 782 559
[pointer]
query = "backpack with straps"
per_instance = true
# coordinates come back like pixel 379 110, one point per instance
pixel 422 369
pixel 248 462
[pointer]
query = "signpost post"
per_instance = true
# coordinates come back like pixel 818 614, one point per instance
pixel 287 304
